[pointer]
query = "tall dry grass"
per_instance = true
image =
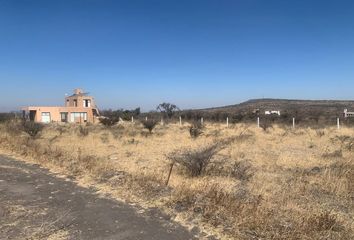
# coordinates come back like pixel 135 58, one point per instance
pixel 281 183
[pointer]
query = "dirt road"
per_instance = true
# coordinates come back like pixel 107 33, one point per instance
pixel 36 204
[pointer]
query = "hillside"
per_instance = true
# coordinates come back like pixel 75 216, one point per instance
pixel 305 111
pixel 310 107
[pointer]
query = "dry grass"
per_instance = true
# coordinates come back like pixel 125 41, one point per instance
pixel 275 184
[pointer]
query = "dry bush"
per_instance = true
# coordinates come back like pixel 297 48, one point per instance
pixel 343 171
pixel 334 154
pixel 194 160
pixel 109 121
pixel 196 129
pixel 13 127
pixel 117 132
pixel 320 133
pixel 323 221
pixel 343 138
pixel 149 124
pixel 5 117
pixel 346 142
pixel 61 129
pixel 242 170
pixel 104 138
pixel 265 124
pixel 32 128
pixel 83 131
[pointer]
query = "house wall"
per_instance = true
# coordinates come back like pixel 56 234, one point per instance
pixel 85 113
pixel 69 101
pixel 55 115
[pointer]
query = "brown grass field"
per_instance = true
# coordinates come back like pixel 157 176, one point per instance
pixel 281 183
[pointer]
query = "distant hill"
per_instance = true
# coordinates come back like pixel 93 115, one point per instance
pixel 303 110
pixel 332 107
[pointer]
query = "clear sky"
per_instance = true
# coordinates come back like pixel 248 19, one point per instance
pixel 194 53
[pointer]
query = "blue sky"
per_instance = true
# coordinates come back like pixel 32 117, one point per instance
pixel 194 53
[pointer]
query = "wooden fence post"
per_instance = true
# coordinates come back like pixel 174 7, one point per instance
pixel 169 174
pixel 258 122
pixel 293 122
pixel 227 122
pixel 180 120
pixel 338 124
pixel 202 121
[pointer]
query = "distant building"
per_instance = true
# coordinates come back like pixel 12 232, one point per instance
pixel 79 108
pixel 272 113
pixel 348 114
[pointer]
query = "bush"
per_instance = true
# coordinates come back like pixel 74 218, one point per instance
pixel 241 170
pixel 194 161
pixel 109 121
pixel 13 127
pixel 32 128
pixel 334 154
pixel 195 130
pixel 126 115
pixel 323 222
pixel 83 131
pixel 265 124
pixel 149 124
pixel 4 117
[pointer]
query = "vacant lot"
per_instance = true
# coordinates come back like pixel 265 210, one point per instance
pixel 239 182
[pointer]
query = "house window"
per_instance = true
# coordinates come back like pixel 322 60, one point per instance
pixel 45 117
pixel 75 102
pixel 64 116
pixel 78 117
pixel 87 103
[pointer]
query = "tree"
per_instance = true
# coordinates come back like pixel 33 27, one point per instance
pixel 126 115
pixel 167 109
